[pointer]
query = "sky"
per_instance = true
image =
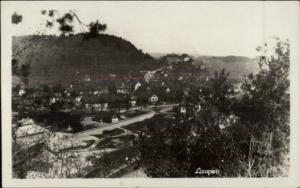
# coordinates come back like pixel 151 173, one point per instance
pixel 204 28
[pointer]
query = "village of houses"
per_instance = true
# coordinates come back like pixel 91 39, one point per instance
pixel 85 122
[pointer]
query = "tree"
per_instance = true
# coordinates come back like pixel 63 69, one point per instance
pixel 65 24
pixel 95 28
pixel 267 99
pixel 219 90
pixel 256 145
pixel 16 18
pixel 267 93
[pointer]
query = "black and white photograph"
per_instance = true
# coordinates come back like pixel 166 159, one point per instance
pixel 128 91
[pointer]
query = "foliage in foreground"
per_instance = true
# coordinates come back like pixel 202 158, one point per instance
pixel 256 144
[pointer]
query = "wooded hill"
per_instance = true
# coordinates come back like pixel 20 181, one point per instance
pixel 62 59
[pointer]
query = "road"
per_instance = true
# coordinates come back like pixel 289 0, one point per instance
pixel 119 124
pixel 99 130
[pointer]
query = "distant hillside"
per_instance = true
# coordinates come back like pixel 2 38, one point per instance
pixel 236 65
pixel 63 59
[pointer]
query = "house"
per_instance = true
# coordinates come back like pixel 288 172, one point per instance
pixel 153 98
pixel 100 106
pixel 104 106
pixel 92 90
pixel 21 92
pixel 56 98
pixel 182 110
pixel 95 103
pixel 137 85
pixel 114 119
pixel 78 100
pixel 197 108
pixel 189 108
pixel 96 106
pixel 133 103
pixel 52 100
pixel 122 89
pixel 87 78
pixel 86 90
